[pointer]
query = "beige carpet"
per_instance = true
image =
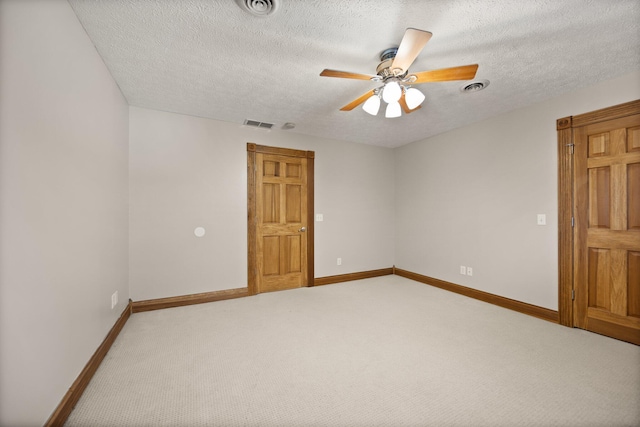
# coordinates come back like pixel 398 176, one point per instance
pixel 378 352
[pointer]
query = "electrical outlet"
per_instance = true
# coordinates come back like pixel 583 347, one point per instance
pixel 339 262
pixel 463 270
pixel 114 299
pixel 469 271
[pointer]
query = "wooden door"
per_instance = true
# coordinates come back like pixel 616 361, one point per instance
pixel 282 219
pixel 607 227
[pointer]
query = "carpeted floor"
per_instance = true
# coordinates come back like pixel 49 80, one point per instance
pixel 378 352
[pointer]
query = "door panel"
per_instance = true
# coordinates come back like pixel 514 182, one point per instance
pixel 293 254
pixel 599 282
pixel 294 206
pixel 633 141
pixel 633 196
pixel 599 199
pixel 607 232
pixel 633 292
pixel 270 203
pixel 598 145
pixel 271 255
pixel 281 183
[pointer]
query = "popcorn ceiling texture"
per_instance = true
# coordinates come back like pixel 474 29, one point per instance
pixel 212 59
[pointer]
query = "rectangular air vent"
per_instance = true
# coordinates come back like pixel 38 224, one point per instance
pixel 258 124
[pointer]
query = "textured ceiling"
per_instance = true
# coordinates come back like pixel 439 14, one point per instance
pixel 210 58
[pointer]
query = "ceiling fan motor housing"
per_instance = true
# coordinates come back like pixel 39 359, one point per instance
pixel 388 53
pixel 384 68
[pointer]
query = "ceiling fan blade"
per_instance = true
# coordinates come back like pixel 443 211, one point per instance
pixel 345 75
pixel 465 72
pixel 353 104
pixel 411 45
pixel 405 107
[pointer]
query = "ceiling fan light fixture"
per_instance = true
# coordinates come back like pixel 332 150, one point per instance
pixel 413 97
pixel 393 73
pixel 393 110
pixel 372 105
pixel 391 92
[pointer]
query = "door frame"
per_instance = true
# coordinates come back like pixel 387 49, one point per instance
pixel 252 219
pixel 566 202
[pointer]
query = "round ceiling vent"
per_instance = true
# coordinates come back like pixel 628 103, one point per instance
pixel 258 7
pixel 474 86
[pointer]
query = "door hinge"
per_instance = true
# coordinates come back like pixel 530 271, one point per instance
pixel 573 222
pixel 573 294
pixel 571 145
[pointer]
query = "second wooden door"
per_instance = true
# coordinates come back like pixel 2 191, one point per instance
pixel 607 233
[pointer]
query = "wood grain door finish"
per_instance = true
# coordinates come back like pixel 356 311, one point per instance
pixel 607 227
pixel 280 232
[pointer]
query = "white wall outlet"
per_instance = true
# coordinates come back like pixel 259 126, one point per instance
pixel 339 262
pixel 319 217
pixel 469 271
pixel 114 299
pixel 463 270
pixel 542 219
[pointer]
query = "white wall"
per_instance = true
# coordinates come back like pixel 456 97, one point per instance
pixel 466 197
pixel 187 172
pixel 471 196
pixel 63 211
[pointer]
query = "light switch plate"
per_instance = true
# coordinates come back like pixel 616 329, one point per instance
pixel 542 219
pixel 319 217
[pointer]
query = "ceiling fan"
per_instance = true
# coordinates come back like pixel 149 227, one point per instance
pixel 393 72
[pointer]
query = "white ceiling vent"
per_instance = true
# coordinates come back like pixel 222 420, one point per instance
pixel 258 7
pixel 474 86
pixel 257 124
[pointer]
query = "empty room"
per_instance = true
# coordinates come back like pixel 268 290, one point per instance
pixel 319 213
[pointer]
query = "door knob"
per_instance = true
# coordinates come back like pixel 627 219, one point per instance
pixel 303 229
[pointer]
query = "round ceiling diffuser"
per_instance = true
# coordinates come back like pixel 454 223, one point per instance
pixel 258 7
pixel 474 86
